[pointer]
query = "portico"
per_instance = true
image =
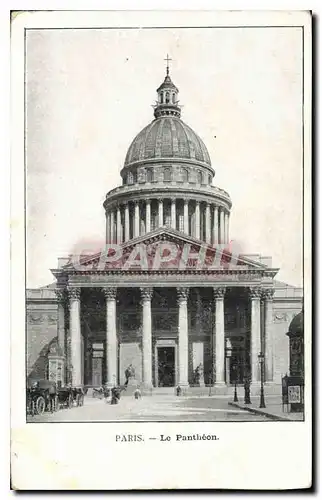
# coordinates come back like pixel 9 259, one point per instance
pixel 166 323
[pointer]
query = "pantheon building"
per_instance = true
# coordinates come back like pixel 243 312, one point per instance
pixel 167 295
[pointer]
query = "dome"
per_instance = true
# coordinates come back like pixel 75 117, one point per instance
pixel 167 137
pixel 297 325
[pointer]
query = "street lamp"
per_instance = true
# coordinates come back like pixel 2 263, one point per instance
pixel 261 359
pixel 229 351
pixel 228 356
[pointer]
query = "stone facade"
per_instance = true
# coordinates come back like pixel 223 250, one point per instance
pixel 167 296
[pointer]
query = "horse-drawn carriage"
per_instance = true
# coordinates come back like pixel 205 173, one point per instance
pixel 44 395
pixel 68 396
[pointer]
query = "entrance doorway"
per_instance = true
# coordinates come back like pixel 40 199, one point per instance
pixel 166 366
pixel 97 371
pixel 238 368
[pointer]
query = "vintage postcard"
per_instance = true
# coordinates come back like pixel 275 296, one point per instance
pixel 161 273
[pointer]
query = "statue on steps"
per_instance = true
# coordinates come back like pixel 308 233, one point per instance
pixel 129 374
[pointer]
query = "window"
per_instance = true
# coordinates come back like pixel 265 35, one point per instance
pixel 167 97
pixel 130 178
pixel 209 179
pixel 199 177
pixel 180 223
pixel 135 177
pixel 149 175
pixel 167 174
pixel 154 219
pixel 184 175
pixel 173 98
pixel 161 97
pixel 167 218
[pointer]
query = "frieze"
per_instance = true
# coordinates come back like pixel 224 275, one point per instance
pixel 219 274
pixel 38 318
pixel 281 317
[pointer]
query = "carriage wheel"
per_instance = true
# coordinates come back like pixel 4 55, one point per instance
pixel 40 405
pixel 55 403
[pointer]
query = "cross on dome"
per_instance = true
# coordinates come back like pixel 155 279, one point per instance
pixel 168 59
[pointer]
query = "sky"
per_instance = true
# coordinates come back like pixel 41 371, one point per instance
pixel 89 92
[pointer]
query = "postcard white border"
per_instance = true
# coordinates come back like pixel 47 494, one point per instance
pixel 260 456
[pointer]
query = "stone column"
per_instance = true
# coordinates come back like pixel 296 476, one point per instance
pixel 60 294
pixel 215 235
pixel 173 213
pixel 126 222
pixel 108 227
pixel 146 296
pixel 208 237
pixel 148 216
pixel 185 217
pixel 219 322
pixel 118 226
pixel 227 228
pixel 222 226
pixel 269 341
pixel 136 219
pixel 255 295
pixel 160 212
pixel 183 294
pixel 197 221
pixel 112 238
pixel 111 338
pixel 75 334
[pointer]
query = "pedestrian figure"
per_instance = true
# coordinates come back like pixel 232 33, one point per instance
pixel 178 390
pixel 116 395
pixel 137 393
pixel 129 373
pixel 107 393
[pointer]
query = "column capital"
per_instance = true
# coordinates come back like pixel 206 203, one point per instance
pixel 267 294
pixel 182 293
pixel 148 201
pixel 219 292
pixel 74 293
pixel 255 292
pixel 109 292
pixel 197 203
pixel 136 202
pixel 160 200
pixel 60 294
pixel 146 293
pixel 185 201
pixel 173 199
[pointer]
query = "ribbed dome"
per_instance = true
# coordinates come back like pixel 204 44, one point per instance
pixel 297 325
pixel 167 137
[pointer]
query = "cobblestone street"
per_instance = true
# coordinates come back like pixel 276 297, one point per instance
pixel 156 408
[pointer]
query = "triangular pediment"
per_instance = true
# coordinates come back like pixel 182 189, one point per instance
pixel 165 249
